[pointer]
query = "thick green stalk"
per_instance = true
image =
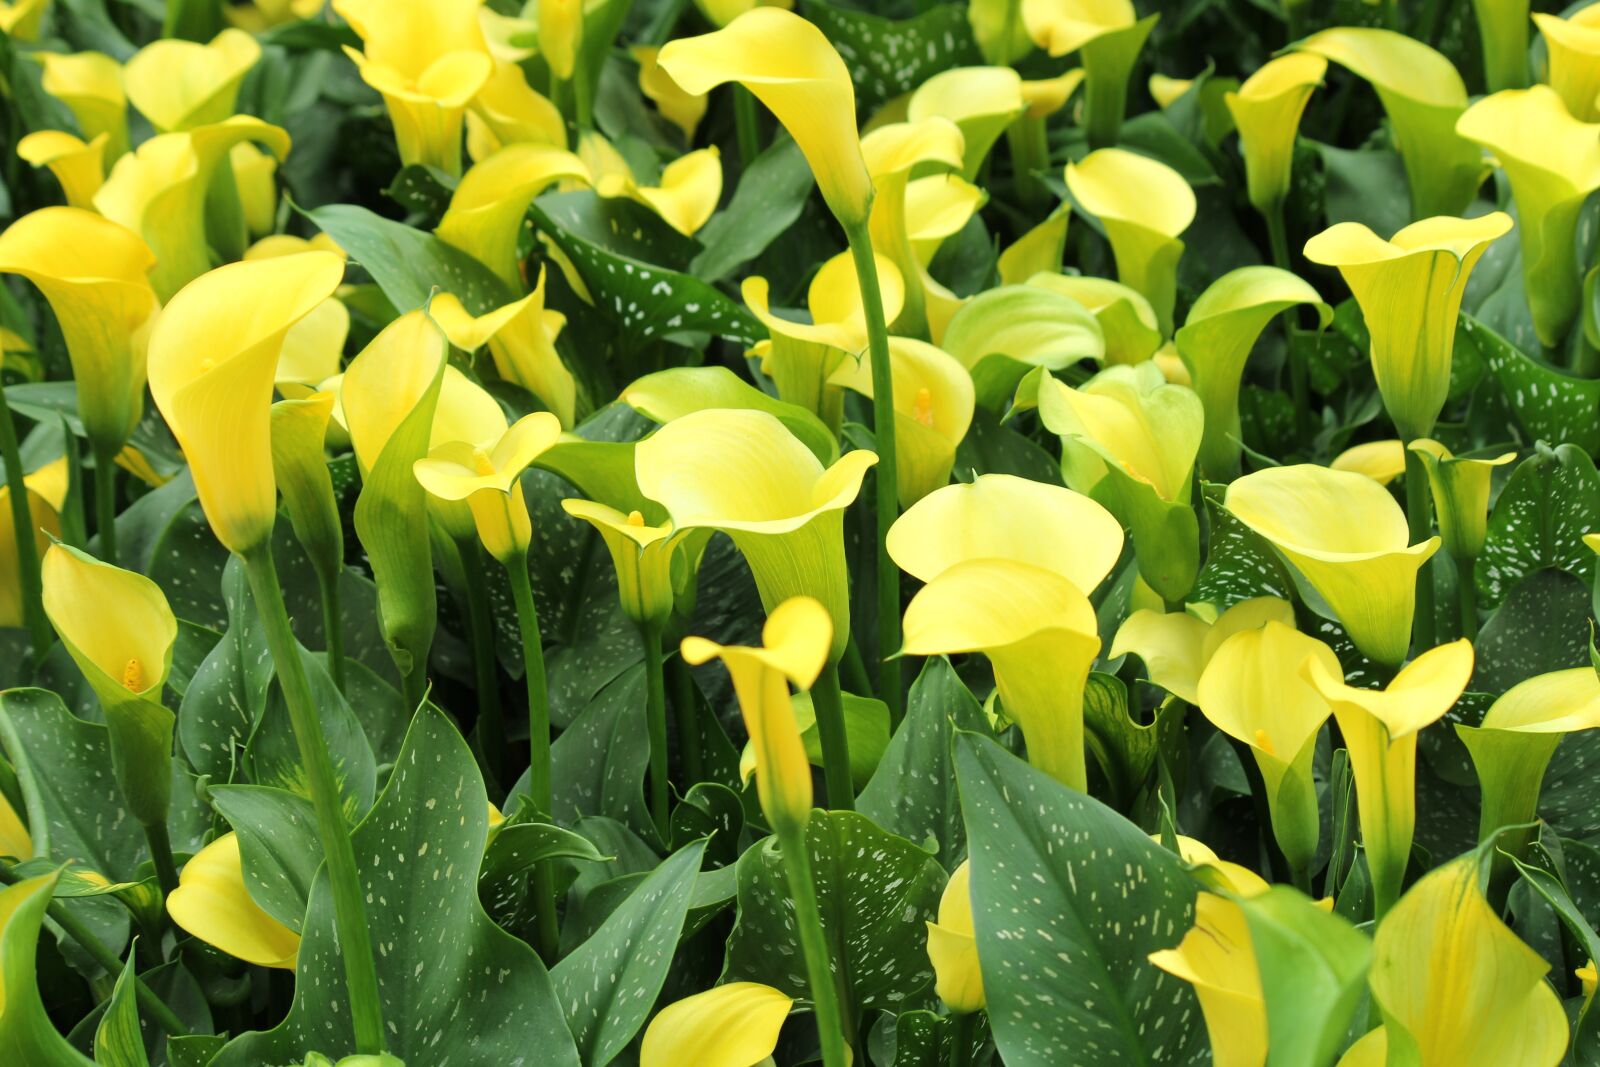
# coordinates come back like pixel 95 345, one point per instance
pixel 655 688
pixel 686 710
pixel 105 502
pixel 155 834
pixel 332 628
pixel 819 967
pixel 853 671
pixel 22 525
pixel 1299 385
pixel 1419 517
pixel 548 934
pixel 1467 596
pixel 746 125
pixel 886 477
pixel 961 1039
pixel 828 703
pixel 349 912
pixel 485 666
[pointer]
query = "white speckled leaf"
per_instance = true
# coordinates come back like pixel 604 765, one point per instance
pixel 1069 899
pixel 278 846
pixel 598 763
pixel 1550 404
pixel 273 755
pixel 228 691
pixel 887 58
pixel 1550 501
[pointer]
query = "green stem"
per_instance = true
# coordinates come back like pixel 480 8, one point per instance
pixel 22 527
pixel 1105 102
pixel 105 501
pixel 1467 596
pixel 1299 386
pixel 687 712
pixel 886 478
pixel 332 627
pixel 828 703
pixel 155 834
pixel 582 96
pixel 961 1039
pixel 349 913
pixel 746 125
pixel 819 966
pixel 854 669
pixel 547 934
pixel 655 689
pixel 1277 236
pixel 1419 517
pixel 1263 809
pixel 485 666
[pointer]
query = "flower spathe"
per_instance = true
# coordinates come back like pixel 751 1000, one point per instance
pixel 642 554
pixel 1218 959
pixel 683 110
pixel 1460 488
pixel 981 101
pixel 953 946
pixel 213 904
pixel 1127 320
pixel 489 481
pixel 486 209
pixel 1109 35
pixel 179 85
pixel 731 1025
pixel 892 152
pixel 1382 461
pixel 90 84
pixel 507 110
pixel 1177 646
pixel 78 166
pixel 213 355
pixel 1267 109
pixel 686 195
pixel 1573 45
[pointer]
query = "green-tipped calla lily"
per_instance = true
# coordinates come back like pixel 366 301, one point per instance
pixel 1128 322
pixel 507 110
pixel 1129 438
pixel 1109 35
pixel 1424 96
pixel 213 353
pixel 982 101
pixel 1382 461
pixel 998 28
pixel 1038 252
pixel 1348 539
pixel 1253 691
pixel 686 196
pixel 793 69
pixel 120 631
pixel 489 480
pixel 642 554
pixel 179 85
pixel 1215 343
pixel 731 1025
pixel 892 151
pixel 1380 728
pixel 1038 631
pixel 90 84
pixel 744 473
pixel 1573 45
pixel 159 192
pixel 79 167
pixel 94 274
pixel 485 212
pixel 1218 958
pixel 1553 162
pixel 1410 288
pixel 933 401
pixel 1460 486
pixel 676 106
pixel 1004 334
pixel 953 946
pixel 1503 31
pixel 1143 205
pixel 300 467
pixel 1177 646
pixel 1266 110
pixel 213 904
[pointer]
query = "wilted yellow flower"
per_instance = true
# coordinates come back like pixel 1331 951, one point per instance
pixel 79 167
pixel 484 218
pixel 179 85
pixel 731 1025
pixel 1109 35
pixel 953 946
pixel 1267 109
pixel 1573 45
pixel 90 84
pixel 489 480
pixel 213 904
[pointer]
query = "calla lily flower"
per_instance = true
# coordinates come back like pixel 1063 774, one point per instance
pixel 1573 45
pixel 892 152
pixel 1424 96
pixel 1037 253
pixel 79 167
pixel 1455 985
pixel 212 357
pixel 731 1025
pixel 953 946
pixel 937 207
pixel 118 628
pixel 642 554
pixel 796 644
pixel 981 101
pixel 1460 488
pixel 1218 958
pixel 213 904
pixel 1177 646
pixel 522 339
pixel 1143 205
pixel 690 187
pixel 681 109
pixel 1253 691
pixel 485 212
pixel 561 36
pixel 998 28
pixel 1382 461
pixel 744 473
pixel 1215 343
pixel 1003 335
pixel 23 19
pixel 1127 321
pixel 1236 879
pixel 159 191
pixel 256 187
pixel 179 85
pixel 428 59
pixel 1410 288
pixel 792 68
pixel 313 348
pixel 1380 728
pixel 1109 35
pixel 300 467
pixel 1553 161
pixel 94 274
pixel 507 110
pixel 1348 539
pixel 1129 438
pixel 1039 633
pixel 1266 110
pixel 933 401
pixel 260 15
pixel 489 480
pixel 90 84
pixel 47 492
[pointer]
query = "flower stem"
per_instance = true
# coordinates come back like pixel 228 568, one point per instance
pixel 746 125
pixel 486 673
pixel 155 834
pixel 655 688
pixel 22 526
pixel 349 913
pixel 105 502
pixel 1467 596
pixel 332 627
pixel 961 1039
pixel 1419 517
pixel 887 480
pixel 547 934
pixel 828 703
pixel 819 964
pixel 686 710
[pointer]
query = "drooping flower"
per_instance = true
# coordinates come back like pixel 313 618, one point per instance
pixel 731 1025
pixel 213 904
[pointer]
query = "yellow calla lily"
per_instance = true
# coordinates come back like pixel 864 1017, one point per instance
pixel 1143 205
pixel 179 84
pixel 937 207
pixel 1410 288
pixel 428 59
pixel 23 19
pixel 159 191
pixel 1455 986
pixel 1345 535
pixel 953 946
pixel 998 28
pixel 793 69
pixel 1238 880
pixel 257 16
pixel 1382 461
pixel 688 193
pixel 212 357
pixel 1039 633
pixel 1460 487
pixel 1266 110
pixel 681 109
pixel 744 473
pixel 94 274
pixel 721 12
pixel 1573 45
pixel 981 101
pixel 213 904
pixel 489 480
pixel 1127 320
pixel 1045 96
pixel 46 493
pixel 312 349
pixel 507 110
pixel 933 400
pixel 1218 958
pixel 1006 337
pixel 1380 728
pixel 1215 343
pixel 892 152
pixel 1553 162
pixel 1166 91
pixel 1037 253
pixel 561 36
pixel 257 188
pixel 1109 36
pixel 522 339
pixel 300 468
pixel 1177 646
pixel 1253 691
pixel 796 644
pixel 732 1025
pixel 485 212
pixel 79 167
pixel 15 841
pixel 642 554
pixel 1129 438
pixel 90 84
pixel 1424 96
pixel 465 417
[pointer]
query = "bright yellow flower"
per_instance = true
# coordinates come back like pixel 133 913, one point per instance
pixel 90 84
pixel 1127 320
pixel 522 339
pixel 23 19
pixel 892 151
pixel 484 218
pixel 561 35
pixel 688 192
pixel 79 167
pixel 642 554
pixel 47 490
pixel 953 946
pixel 1460 489
pixel 1267 110
pixel 15 841
pixel 489 480
pixel 1177 646
pixel 1109 36
pixel 213 904
pixel 179 85
pixel 1573 45
pixel 1238 880
pixel 506 110
pixel 254 175
pixel 937 207
pixel 1217 957
pixel 681 109
pixel 1382 461
pixel 981 101
pixel 732 1025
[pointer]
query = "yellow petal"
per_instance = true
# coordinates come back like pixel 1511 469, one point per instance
pixel 837 316
pixel 387 380
pixel 1132 331
pixel 253 173
pixel 115 623
pixel 1241 881
pixel 455 473
pixel 1170 644
pixel 561 35
pixel 90 84
pixel 313 346
pixel 690 188
pixel 1218 959
pixel 982 101
pixel 953 947
pixel 412 37
pixel 897 147
pixel 1382 461
pixel 484 218
pixel 522 338
pixel 1460 489
pixel 1049 95
pixel 732 1025
pixel 676 106
pixel 1064 26
pixel 1133 418
pixel 506 110
pixel 641 554
pixel 1558 702
pixel 1573 45
pixel 179 85
pixel 998 28
pixel 23 19
pixel 1267 110
pixel 212 903
pixel 79 167
pixel 936 208
pixel 15 840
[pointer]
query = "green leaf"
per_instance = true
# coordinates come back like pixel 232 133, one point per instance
pixel 888 58
pixel 273 754
pixel 225 697
pixel 993 447
pixel 610 984
pixel 1124 748
pixel 876 892
pixel 118 1041
pixel 1547 505
pixel 768 199
pixel 1068 901
pixel 1541 626
pixel 26 1032
pixel 278 846
pixel 1240 564
pixel 598 763
pixel 1551 404
pixel 866 727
